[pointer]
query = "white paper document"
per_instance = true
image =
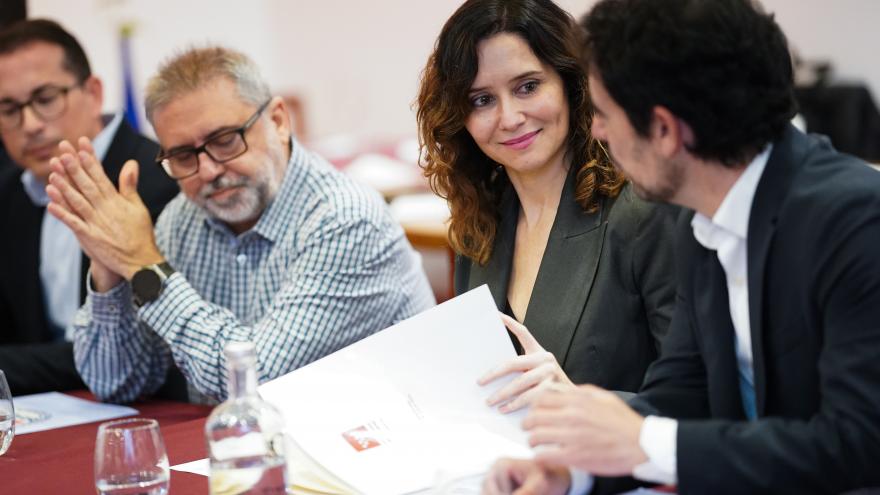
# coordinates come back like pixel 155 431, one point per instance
pixel 200 467
pixel 400 411
pixel 50 410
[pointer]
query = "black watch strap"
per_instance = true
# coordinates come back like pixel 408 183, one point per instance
pixel 148 282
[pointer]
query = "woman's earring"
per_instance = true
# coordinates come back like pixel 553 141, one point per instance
pixel 605 151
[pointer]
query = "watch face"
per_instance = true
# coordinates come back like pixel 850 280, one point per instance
pixel 146 285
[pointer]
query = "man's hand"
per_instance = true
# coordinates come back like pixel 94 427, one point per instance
pixel 112 227
pixel 525 477
pixel 103 279
pixel 540 370
pixel 588 428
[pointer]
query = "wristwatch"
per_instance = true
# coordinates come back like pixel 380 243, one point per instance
pixel 147 283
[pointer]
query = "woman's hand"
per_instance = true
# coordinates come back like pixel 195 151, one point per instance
pixel 540 370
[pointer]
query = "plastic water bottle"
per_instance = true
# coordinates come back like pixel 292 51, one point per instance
pixel 245 434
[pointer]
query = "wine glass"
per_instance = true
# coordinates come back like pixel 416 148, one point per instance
pixel 130 458
pixel 7 415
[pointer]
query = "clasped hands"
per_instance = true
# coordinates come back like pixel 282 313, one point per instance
pixel 113 226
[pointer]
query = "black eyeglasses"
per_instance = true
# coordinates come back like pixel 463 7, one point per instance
pixel 48 102
pixel 222 147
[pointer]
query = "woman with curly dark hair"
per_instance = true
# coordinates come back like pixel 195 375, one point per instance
pixel 538 211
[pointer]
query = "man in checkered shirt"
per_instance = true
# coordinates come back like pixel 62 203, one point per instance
pixel 266 243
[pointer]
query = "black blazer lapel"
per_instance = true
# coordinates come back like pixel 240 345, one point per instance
pixel 769 196
pixel 712 308
pixel 567 272
pixel 496 273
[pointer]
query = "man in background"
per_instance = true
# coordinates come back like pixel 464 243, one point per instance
pixel 268 243
pixel 48 94
pixel 768 380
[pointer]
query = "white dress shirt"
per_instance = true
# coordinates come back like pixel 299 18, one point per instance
pixel 60 255
pixel 726 234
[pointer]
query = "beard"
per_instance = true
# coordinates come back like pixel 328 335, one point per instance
pixel 247 203
pixel 663 191
pixel 240 206
pixel 666 185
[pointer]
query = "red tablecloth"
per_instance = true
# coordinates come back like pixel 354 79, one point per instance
pixel 62 460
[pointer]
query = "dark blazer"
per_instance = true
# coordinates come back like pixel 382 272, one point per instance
pixel 32 360
pixel 814 304
pixel 604 292
pixel 5 161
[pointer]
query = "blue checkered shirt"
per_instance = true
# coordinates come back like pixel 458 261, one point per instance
pixel 324 266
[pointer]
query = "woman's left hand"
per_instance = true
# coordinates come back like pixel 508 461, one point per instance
pixel 540 370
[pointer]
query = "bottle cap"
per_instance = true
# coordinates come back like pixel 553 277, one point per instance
pixel 236 350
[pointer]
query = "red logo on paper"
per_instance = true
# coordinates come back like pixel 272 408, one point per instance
pixel 361 438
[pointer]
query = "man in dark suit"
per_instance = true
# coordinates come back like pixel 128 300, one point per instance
pixel 48 94
pixel 768 380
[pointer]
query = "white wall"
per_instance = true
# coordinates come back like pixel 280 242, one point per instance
pixel 356 63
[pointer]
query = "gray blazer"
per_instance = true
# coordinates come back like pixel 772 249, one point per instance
pixel 605 289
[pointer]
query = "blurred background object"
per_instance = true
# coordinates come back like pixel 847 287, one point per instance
pixel 845 112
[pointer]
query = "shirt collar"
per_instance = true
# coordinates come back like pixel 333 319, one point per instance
pixel 732 217
pixel 36 189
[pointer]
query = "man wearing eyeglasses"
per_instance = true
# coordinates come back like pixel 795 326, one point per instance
pixel 48 94
pixel 268 243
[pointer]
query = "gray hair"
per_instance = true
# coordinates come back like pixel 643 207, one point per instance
pixel 196 67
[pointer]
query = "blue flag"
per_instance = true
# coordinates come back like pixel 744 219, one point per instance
pixel 132 114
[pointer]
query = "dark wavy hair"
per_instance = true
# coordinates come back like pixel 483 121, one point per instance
pixel 455 166
pixel 25 32
pixel 722 66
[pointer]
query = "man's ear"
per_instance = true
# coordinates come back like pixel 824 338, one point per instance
pixel 669 133
pixel 280 117
pixel 94 91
